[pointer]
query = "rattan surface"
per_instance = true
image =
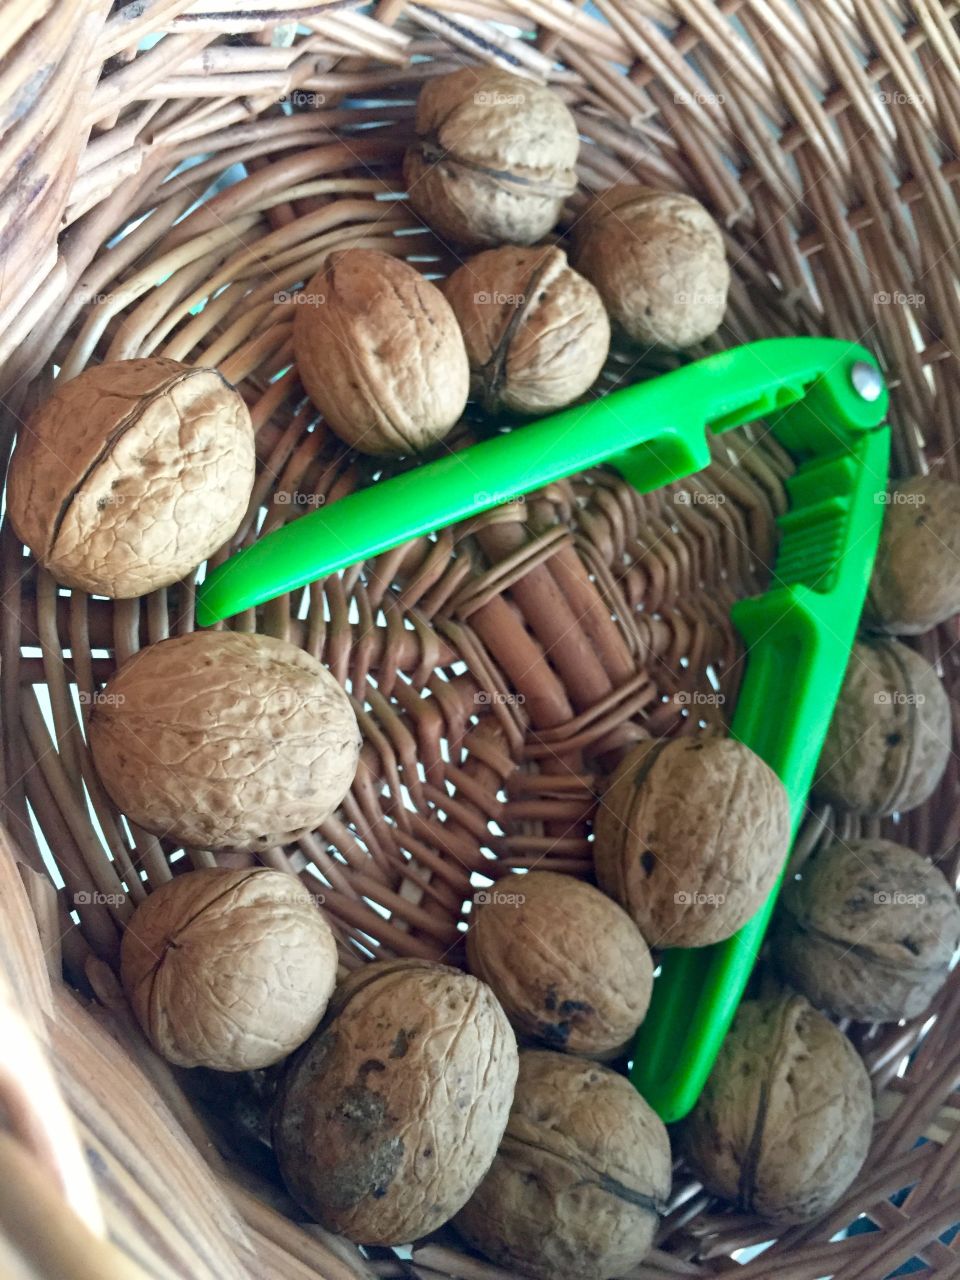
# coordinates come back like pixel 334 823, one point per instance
pixel 500 668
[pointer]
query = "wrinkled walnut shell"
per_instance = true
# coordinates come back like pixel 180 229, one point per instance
pixel 380 353
pixel 536 332
pixel 889 740
pixel 230 970
pixel 690 838
pixel 225 739
pixel 916 575
pixel 392 1114
pixel 131 474
pixel 868 932
pixel 568 965
pixel 657 259
pixel 784 1122
pixel 494 158
pixel 580 1178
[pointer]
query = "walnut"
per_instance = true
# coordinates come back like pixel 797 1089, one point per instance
pixel 494 157
pixel 536 332
pixel 691 836
pixel 916 575
pixel 657 259
pixel 784 1122
pixel 380 354
pixel 580 1178
pixel 568 965
pixel 889 740
pixel 228 969
pixel 131 474
pixel 224 739
pixel 868 932
pixel 391 1115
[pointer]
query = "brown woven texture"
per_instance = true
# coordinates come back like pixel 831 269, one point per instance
pixel 500 668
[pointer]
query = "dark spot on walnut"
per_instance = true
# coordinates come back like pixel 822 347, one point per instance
pixel 569 1007
pixel 857 904
pixel 362 1109
pixel 648 860
pixel 368 1172
pixel 554 1034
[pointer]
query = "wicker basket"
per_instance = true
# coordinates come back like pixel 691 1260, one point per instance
pixel 497 668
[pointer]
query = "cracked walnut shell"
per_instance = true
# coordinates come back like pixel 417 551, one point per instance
pixel 380 353
pixel 391 1115
pixel 658 261
pixel 536 332
pixel 784 1122
pixel 568 965
pixel 580 1179
pixel 494 157
pixel 230 970
pixel 889 740
pixel 224 739
pixel 691 836
pixel 132 474
pixel 868 932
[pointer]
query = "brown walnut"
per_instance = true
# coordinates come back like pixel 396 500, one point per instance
pixel 868 932
pixel 494 157
pixel 536 332
pixel 568 965
pixel 230 970
pixel 657 259
pixel 916 575
pixel 391 1115
pixel 131 474
pixel 380 354
pixel 889 740
pixel 784 1122
pixel 225 739
pixel 691 835
pixel 580 1179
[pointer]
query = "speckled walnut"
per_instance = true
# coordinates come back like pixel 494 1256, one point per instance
pixel 380 354
pixel 568 965
pixel 916 575
pixel 889 740
pixel 230 970
pixel 225 739
pixel 658 261
pixel 869 931
pixel 131 474
pixel 580 1178
pixel 392 1114
pixel 690 838
pixel 536 332
pixel 784 1122
pixel 494 157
